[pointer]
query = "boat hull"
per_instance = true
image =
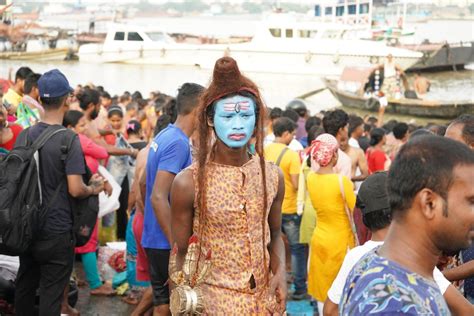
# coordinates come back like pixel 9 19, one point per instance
pixel 249 58
pixel 410 107
pixel 49 55
pixel 447 57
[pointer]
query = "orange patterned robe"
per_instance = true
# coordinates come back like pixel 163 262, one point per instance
pixel 237 283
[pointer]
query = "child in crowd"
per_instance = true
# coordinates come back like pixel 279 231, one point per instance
pixel 76 121
pixel 135 135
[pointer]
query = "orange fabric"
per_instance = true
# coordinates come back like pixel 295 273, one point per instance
pixel 232 230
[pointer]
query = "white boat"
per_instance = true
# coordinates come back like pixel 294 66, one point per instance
pixel 279 46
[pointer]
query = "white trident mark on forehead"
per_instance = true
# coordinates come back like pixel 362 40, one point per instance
pixel 237 107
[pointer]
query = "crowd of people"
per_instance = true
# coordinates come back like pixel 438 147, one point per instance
pixel 231 207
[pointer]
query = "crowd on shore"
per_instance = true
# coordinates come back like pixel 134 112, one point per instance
pixel 360 215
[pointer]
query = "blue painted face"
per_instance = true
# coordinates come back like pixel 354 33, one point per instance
pixel 234 120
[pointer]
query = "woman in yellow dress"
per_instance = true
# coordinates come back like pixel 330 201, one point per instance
pixel 332 237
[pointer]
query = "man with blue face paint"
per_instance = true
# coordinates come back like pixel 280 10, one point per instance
pixel 230 201
pixel 234 120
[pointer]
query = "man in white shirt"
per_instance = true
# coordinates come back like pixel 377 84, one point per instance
pixel 356 130
pixel 373 201
pixel 294 145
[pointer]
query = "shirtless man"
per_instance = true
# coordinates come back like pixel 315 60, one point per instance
pixel 135 199
pixel 359 169
pixel 422 85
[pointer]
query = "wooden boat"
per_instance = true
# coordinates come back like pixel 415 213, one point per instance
pixel 50 54
pixel 412 107
pixel 437 57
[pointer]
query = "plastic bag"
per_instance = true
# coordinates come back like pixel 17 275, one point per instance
pixel 109 204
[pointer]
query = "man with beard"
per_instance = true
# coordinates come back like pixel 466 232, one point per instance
pixel 89 102
pixel 431 198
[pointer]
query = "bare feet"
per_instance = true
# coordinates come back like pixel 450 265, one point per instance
pixel 105 290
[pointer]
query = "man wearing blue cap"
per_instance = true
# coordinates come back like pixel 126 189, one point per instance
pixel 48 263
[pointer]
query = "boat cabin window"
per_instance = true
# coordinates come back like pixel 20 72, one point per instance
pixel 317 10
pixel 363 8
pixel 134 36
pixel 157 36
pixel 340 11
pixel 289 33
pixel 352 9
pixel 275 32
pixel 119 36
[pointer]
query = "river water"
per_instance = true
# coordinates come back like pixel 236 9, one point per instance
pixel 277 89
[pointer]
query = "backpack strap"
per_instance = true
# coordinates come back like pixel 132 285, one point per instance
pixel 46 135
pixel 37 145
pixel 66 144
pixel 280 157
pixel 22 139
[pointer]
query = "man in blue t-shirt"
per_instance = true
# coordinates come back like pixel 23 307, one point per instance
pixel 169 154
pixel 431 193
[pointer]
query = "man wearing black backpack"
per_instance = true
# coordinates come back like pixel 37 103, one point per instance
pixel 48 262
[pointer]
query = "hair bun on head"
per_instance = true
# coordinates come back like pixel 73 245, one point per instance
pixel 227 79
pixel 225 71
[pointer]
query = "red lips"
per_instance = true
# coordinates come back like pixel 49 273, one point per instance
pixel 237 137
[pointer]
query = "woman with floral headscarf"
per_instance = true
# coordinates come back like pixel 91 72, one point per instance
pixel 332 236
